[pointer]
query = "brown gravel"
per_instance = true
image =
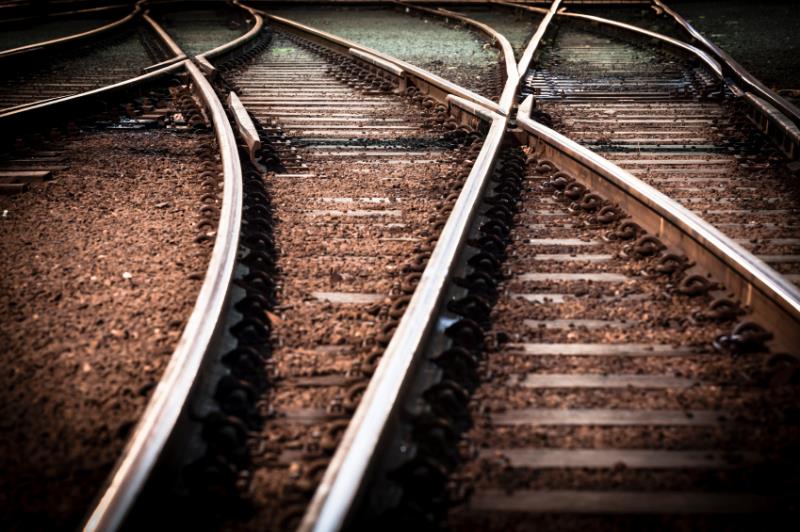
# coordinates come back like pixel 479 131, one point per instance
pixel 95 290
pixel 343 224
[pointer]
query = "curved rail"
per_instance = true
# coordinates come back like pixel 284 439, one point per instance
pixel 710 62
pixel 68 13
pixel 435 85
pixel 342 482
pixel 255 30
pixel 738 70
pixel 169 399
pixel 4 54
pixel 771 297
pixel 766 113
pixel 533 44
pixel 25 111
pixel 152 72
pixel 508 96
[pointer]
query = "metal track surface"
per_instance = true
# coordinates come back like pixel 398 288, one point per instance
pixel 84 68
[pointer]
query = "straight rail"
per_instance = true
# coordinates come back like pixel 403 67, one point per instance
pixel 341 484
pixel 527 56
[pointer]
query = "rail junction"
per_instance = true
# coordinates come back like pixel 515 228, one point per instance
pixel 383 265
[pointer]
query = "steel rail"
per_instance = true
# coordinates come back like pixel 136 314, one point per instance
pixel 771 297
pixel 343 479
pixel 165 37
pixel 712 63
pixel 534 9
pixel 13 52
pixel 742 75
pixel 508 96
pixel 706 58
pixel 436 85
pixel 151 72
pixel 255 30
pixel 784 132
pixel 170 398
pixel 527 56
pixel 66 13
pixel 61 101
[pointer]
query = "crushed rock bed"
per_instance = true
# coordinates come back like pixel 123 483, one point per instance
pixel 100 272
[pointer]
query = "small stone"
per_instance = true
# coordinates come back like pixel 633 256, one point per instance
pixel 127 275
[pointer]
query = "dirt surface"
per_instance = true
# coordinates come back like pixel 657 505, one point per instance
pixel 203 30
pixel 100 271
pixel 458 55
pixel 761 36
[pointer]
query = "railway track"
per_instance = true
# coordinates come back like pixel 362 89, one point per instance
pixel 102 264
pixel 456 52
pixel 79 68
pixel 360 180
pixel 131 349
pixel 602 399
pixel 667 120
pixel 437 316
pixel 198 31
pixel 591 365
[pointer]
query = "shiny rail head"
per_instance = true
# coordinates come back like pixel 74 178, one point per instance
pixel 347 472
pixel 171 396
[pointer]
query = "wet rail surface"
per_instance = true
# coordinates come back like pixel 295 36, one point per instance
pixel 359 180
pixel 81 68
pixel 668 122
pixel 104 247
pixel 450 51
